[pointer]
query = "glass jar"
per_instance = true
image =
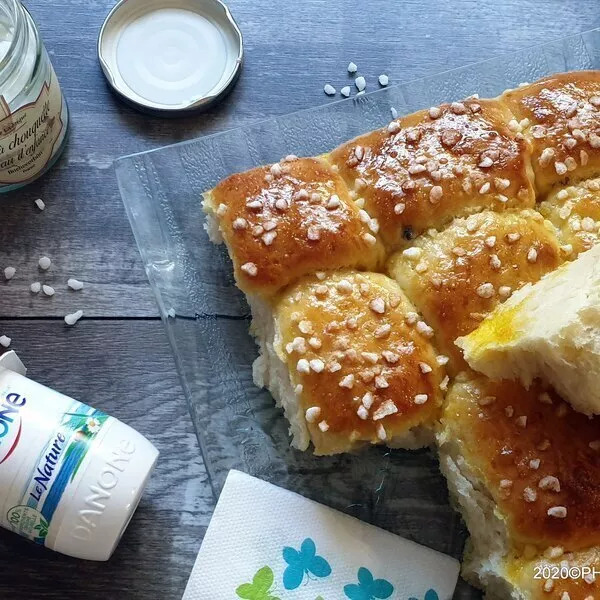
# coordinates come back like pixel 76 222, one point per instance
pixel 33 112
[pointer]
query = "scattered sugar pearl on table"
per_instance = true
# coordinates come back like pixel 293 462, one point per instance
pixel 72 318
pixel 352 68
pixel 383 79
pixel 75 284
pixel 394 113
pixel 360 83
pixel 9 273
pixel 329 89
pixel 5 341
pixel 44 263
pixel 345 91
pixel 48 290
pixel 36 287
pixel 40 204
pixel 171 313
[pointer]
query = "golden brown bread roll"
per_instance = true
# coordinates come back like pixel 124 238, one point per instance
pixel 424 169
pixel 457 276
pixel 502 430
pixel 288 220
pixel 524 468
pixel 575 212
pixel 362 358
pixel 560 117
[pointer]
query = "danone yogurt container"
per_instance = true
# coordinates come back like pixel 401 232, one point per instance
pixel 71 476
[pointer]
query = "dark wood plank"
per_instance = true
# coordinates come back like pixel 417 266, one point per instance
pixel 291 51
pixel 125 369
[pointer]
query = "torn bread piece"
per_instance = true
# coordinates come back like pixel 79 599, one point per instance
pixel 523 468
pixel 426 168
pixel 575 212
pixel 287 220
pixel 559 116
pixel 457 276
pixel 351 363
pixel 549 330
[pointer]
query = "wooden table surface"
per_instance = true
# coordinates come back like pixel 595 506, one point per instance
pixel 117 358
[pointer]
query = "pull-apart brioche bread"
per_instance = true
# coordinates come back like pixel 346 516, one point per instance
pixel 351 363
pixel 524 470
pixel 447 202
pixel 455 277
pixel 549 330
pixel 429 167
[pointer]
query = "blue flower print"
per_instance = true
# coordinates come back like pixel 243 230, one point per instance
pixel 429 595
pixel 304 562
pixel 368 588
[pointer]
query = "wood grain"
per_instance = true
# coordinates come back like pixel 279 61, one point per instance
pixel 125 366
pixel 126 370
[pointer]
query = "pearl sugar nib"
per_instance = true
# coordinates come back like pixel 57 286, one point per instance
pixel 75 284
pixel 329 89
pixel 9 273
pixel 5 341
pixel 72 318
pixel 352 68
pixel 383 79
pixel 44 263
pixel 40 204
pixel 360 83
pixel 345 91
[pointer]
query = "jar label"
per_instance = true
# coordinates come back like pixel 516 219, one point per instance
pixel 29 136
pixel 40 458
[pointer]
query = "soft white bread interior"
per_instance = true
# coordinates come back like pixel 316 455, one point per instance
pixel 551 330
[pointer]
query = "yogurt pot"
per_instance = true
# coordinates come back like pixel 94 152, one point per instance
pixel 71 476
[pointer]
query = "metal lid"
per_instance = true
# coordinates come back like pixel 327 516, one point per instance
pixel 170 56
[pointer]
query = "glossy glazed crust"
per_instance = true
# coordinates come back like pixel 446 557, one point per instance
pixel 563 113
pixel 288 220
pixel 437 164
pixel 457 276
pixel 579 586
pixel 575 212
pixel 355 326
pixel 487 420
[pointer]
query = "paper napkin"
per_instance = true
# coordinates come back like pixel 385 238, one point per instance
pixel 266 543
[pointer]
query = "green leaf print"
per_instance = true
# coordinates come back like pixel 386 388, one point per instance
pixel 260 588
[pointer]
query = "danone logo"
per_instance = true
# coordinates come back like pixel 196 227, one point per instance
pixel 10 424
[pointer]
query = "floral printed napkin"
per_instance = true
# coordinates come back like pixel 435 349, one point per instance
pixel 266 543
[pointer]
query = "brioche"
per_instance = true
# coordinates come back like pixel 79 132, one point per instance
pixel 352 364
pixel 558 115
pixel 457 276
pixel 460 206
pixel 524 470
pixel 426 168
pixel 575 212
pixel 549 330
pixel 289 220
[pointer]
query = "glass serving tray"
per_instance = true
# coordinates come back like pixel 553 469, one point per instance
pixel 237 424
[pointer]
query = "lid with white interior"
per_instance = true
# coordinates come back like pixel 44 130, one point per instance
pixel 170 56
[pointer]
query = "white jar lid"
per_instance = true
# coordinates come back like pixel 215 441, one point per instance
pixel 170 56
